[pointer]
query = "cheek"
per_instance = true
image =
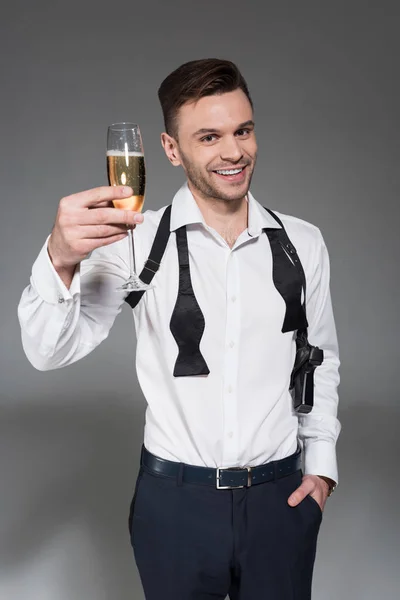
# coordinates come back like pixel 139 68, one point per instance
pixel 206 158
pixel 251 148
pixel 199 156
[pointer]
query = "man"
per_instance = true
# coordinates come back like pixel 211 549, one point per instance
pixel 221 504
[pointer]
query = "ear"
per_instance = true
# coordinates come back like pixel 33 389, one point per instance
pixel 171 149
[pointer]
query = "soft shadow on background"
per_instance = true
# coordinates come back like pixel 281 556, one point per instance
pixel 324 80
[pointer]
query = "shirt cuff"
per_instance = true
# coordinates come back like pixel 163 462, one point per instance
pixel 320 459
pixel 49 284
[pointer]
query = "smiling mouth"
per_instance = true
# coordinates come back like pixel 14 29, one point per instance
pixel 230 172
pixel 237 174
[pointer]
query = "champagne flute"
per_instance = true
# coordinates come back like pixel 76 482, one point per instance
pixel 126 166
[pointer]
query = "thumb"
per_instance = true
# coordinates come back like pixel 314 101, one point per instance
pixel 298 495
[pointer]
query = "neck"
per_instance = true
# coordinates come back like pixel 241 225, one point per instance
pixel 227 217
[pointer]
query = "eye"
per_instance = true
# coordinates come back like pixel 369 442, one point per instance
pixel 243 132
pixel 208 138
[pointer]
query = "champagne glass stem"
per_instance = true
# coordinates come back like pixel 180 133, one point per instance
pixel 132 261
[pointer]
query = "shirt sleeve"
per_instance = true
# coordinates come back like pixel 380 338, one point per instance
pixel 60 326
pixel 319 429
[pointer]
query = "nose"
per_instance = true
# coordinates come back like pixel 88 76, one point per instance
pixel 231 150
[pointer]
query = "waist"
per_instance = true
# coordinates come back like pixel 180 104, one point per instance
pixel 221 477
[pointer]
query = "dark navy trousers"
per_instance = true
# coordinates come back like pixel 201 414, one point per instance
pixel 195 542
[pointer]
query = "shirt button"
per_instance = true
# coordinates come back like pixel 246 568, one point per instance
pixel 233 298
pixel 231 344
pixel 60 299
pixel 230 389
pixel 230 434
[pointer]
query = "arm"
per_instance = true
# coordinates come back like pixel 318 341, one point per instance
pixel 320 429
pixel 72 301
pixel 59 325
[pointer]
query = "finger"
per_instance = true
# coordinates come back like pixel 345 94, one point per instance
pixel 102 204
pixel 92 244
pixel 109 216
pixel 302 491
pixel 97 195
pixel 113 239
pixel 102 231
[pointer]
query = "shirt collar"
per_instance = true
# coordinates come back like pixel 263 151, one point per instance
pixel 185 211
pixel 259 218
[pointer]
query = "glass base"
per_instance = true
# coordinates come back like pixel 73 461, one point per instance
pixel 134 284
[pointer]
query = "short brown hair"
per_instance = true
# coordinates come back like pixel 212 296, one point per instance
pixel 194 80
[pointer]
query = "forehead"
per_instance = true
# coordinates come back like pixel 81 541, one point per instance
pixel 219 111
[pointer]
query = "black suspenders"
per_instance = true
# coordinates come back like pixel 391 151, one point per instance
pixel 187 321
pixel 152 264
pixel 307 357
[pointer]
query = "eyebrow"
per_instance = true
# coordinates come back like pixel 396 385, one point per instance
pixel 208 131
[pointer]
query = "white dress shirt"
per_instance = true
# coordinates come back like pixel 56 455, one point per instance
pixel 241 413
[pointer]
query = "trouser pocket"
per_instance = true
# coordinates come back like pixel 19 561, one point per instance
pixel 133 501
pixel 315 504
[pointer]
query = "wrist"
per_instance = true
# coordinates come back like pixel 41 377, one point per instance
pixel 56 261
pixel 331 484
pixel 65 272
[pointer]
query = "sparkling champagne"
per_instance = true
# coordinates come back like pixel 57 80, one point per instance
pixel 127 168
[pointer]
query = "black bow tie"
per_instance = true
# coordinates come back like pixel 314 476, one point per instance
pixel 187 321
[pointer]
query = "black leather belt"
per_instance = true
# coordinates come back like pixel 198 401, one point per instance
pixel 223 478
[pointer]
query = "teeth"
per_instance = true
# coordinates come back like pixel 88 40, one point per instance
pixel 230 172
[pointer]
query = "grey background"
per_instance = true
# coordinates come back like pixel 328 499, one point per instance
pixel 325 81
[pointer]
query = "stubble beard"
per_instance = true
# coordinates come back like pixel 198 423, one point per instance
pixel 205 187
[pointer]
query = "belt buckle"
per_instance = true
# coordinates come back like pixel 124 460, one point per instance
pixel 233 487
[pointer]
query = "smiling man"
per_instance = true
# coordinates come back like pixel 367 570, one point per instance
pixel 223 503
pixel 218 159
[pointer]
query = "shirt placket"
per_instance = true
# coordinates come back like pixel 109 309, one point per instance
pixel 231 362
